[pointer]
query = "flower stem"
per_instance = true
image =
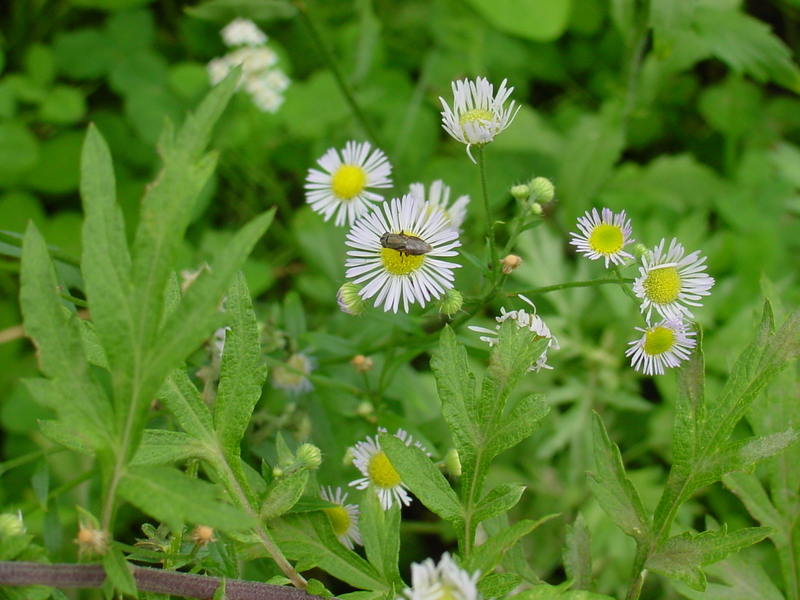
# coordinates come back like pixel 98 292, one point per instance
pixel 617 278
pixel 489 221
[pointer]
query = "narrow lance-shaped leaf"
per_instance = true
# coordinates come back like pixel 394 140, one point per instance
pixel 380 532
pixel 577 554
pixel 612 488
pixel 518 425
pixel 690 410
pixel 489 554
pixel 182 399
pixel 499 500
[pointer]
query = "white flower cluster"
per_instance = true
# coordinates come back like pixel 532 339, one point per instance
pixel 261 79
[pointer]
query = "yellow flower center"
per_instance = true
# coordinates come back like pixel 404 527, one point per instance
pixel 662 285
pixel 339 519
pixel 476 114
pixel 446 592
pixel 658 340
pixel 348 181
pixel 400 263
pixel 606 239
pixel 382 473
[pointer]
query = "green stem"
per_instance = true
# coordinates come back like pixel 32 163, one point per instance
pixel 337 74
pixel 489 222
pixel 15 239
pixel 578 284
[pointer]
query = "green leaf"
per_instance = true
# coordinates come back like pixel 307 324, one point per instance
pixel 72 392
pixel 119 572
pixel 242 374
pixel 489 554
pixel 537 20
pixel 690 410
pixel 182 399
pixel 283 494
pixel 422 476
pixel 614 491
pixel 669 19
pixel 499 500
pixel 380 532
pixel 549 592
pixel 59 433
pixel 162 447
pixel 577 554
pixel 681 557
pixel 521 422
pixel 224 11
pixel 497 585
pixel 40 482
pixel 174 498
pixel 749 490
pixel 747 45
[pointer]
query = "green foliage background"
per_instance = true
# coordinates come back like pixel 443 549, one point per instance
pixel 683 113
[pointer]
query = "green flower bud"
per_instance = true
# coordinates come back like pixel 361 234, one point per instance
pixel 309 456
pixel 520 192
pixel 453 462
pixel 542 190
pixel 536 209
pixel 451 302
pixel 11 525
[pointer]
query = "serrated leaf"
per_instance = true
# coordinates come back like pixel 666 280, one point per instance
pixel 380 532
pixel 616 493
pixel 521 422
pixel 282 494
pixel 422 476
pixel 489 554
pixel 163 447
pixel 577 554
pixel 59 433
pixel 182 399
pixel 119 572
pixel 176 499
pixel 690 410
pixel 749 490
pixel 499 500
pixel 497 585
pixel 681 557
pixel 242 373
pixel 669 18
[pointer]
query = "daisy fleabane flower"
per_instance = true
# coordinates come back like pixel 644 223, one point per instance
pixel 294 376
pixel 243 32
pixel 445 581
pixel 478 113
pixel 439 195
pixel 344 517
pixel 378 472
pixel 668 281
pixel 522 318
pixel 343 187
pixel 603 235
pixel 664 344
pixel 397 273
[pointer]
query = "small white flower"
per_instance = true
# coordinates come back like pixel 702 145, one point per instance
pixel 664 344
pixel 523 319
pixel 603 236
pixel 343 187
pixel 241 32
pixel 377 471
pixel 218 69
pixel 344 518
pixel 477 114
pixel 294 376
pixel 439 195
pixel 393 274
pixel 445 581
pixel 254 60
pixel 669 281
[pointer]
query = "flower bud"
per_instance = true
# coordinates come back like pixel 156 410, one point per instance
pixel 365 409
pixel 536 209
pixel 510 262
pixel 542 190
pixel 309 456
pixel 451 302
pixel 453 462
pixel 11 524
pixel 202 535
pixel 362 363
pixel 349 456
pixel 640 250
pixel 277 472
pixel 520 192
pixel 349 299
pixel 91 540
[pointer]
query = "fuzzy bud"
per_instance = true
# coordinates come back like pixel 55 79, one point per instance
pixel 520 192
pixel 91 540
pixel 536 209
pixel 640 250
pixel 349 299
pixel 202 535
pixel 309 456
pixel 349 455
pixel 277 472
pixel 510 262
pixel 363 364
pixel 11 525
pixel 542 190
pixel 365 409
pixel 453 462
pixel 451 302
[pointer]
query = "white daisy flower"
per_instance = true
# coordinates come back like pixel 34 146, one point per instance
pixel 665 344
pixel 390 267
pixel 344 517
pixel 603 236
pixel 669 281
pixel 439 195
pixel 343 186
pixel 371 460
pixel 254 60
pixel 530 321
pixel 477 114
pixel 241 32
pixel 445 581
pixel 294 376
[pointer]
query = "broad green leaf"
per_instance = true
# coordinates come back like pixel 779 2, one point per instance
pixel 311 533
pixel 489 554
pixel 681 557
pixel 95 353
pixel 422 476
pixel 176 499
pixel 380 532
pixel 747 45
pixel 119 573
pixel 242 374
pixel 182 399
pixel 163 447
pixel 521 422
pixel 749 490
pixel 577 554
pixel 537 20
pixel 75 395
pixel 614 491
pixel 669 18
pixel 497 585
pixel 283 494
pixel 499 500
pixel 59 433
pixel 690 410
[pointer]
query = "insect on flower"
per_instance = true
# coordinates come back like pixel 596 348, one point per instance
pixel 407 244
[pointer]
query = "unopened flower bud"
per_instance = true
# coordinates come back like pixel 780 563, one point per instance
pixel 365 409
pixel 536 209
pixel 11 525
pixel 510 262
pixel 362 363
pixel 520 192
pixel 349 455
pixel 202 535
pixel 277 472
pixel 309 456
pixel 349 299
pixel 91 540
pixel 453 462
pixel 542 190
pixel 640 250
pixel 451 302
